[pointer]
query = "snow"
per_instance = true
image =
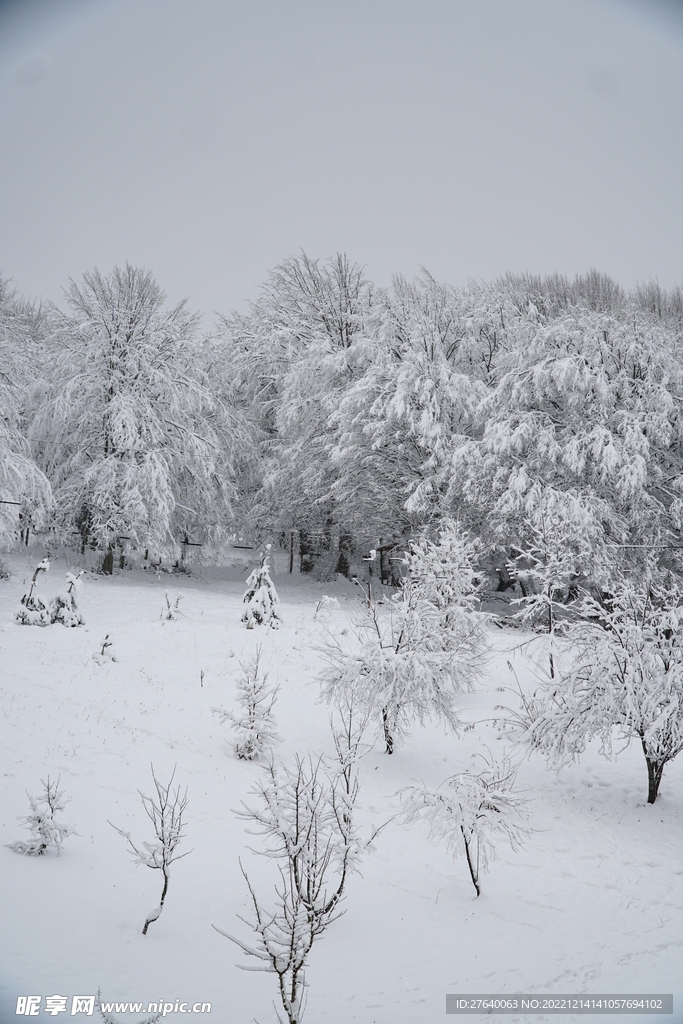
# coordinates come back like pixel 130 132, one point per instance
pixel 592 903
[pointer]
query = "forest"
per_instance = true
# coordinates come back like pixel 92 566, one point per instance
pixel 345 410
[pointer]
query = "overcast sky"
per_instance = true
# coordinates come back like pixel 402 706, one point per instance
pixel 207 140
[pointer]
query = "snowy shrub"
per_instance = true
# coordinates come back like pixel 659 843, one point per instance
pixel 469 812
pixel 254 724
pixel 324 607
pixel 63 607
pixel 408 660
pixel 171 613
pixel 166 815
pixel 305 817
pixel 627 675
pixel 262 605
pixel 106 652
pixel 34 609
pixel 5 571
pixel 46 832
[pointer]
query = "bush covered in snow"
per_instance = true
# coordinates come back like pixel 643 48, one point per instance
pixel 34 609
pixel 46 832
pixel 63 607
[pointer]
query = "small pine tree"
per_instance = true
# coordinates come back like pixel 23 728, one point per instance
pixel 261 600
pixel 254 724
pixel 34 610
pixel 63 607
pixel 46 832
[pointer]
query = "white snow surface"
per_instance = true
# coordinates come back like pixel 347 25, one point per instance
pixel 593 903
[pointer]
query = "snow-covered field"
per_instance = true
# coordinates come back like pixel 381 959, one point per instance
pixel 594 902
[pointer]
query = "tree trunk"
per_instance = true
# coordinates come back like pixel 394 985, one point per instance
pixel 388 738
pixel 655 770
pixel 108 561
pixel 475 880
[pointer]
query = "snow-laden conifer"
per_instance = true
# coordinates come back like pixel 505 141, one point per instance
pixel 46 831
pixel 407 660
pixel 34 609
pixel 64 607
pixel 470 811
pixel 254 725
pixel 626 677
pixel 166 815
pixel 262 605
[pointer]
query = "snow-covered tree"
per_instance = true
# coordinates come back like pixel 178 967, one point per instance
pixel 304 814
pixel 25 495
pixel 46 832
pixel 64 607
pixel 166 815
pixel 584 408
pixel 262 605
pixel 627 678
pixel 562 546
pixel 34 609
pixel 288 361
pixel 441 569
pixel 397 421
pixel 127 428
pixel 470 811
pixel 254 724
pixel 409 659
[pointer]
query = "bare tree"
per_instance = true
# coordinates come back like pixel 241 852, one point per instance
pixel 166 815
pixel 305 815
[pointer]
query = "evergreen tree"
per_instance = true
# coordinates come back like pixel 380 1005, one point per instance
pixel 46 832
pixel 262 605
pixel 254 725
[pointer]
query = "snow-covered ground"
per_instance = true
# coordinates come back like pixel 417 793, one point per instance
pixel 594 902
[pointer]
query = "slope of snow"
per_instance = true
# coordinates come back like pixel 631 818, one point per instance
pixel 594 902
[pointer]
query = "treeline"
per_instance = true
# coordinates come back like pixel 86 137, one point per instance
pixel 527 408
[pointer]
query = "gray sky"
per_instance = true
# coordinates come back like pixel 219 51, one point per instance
pixel 207 140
